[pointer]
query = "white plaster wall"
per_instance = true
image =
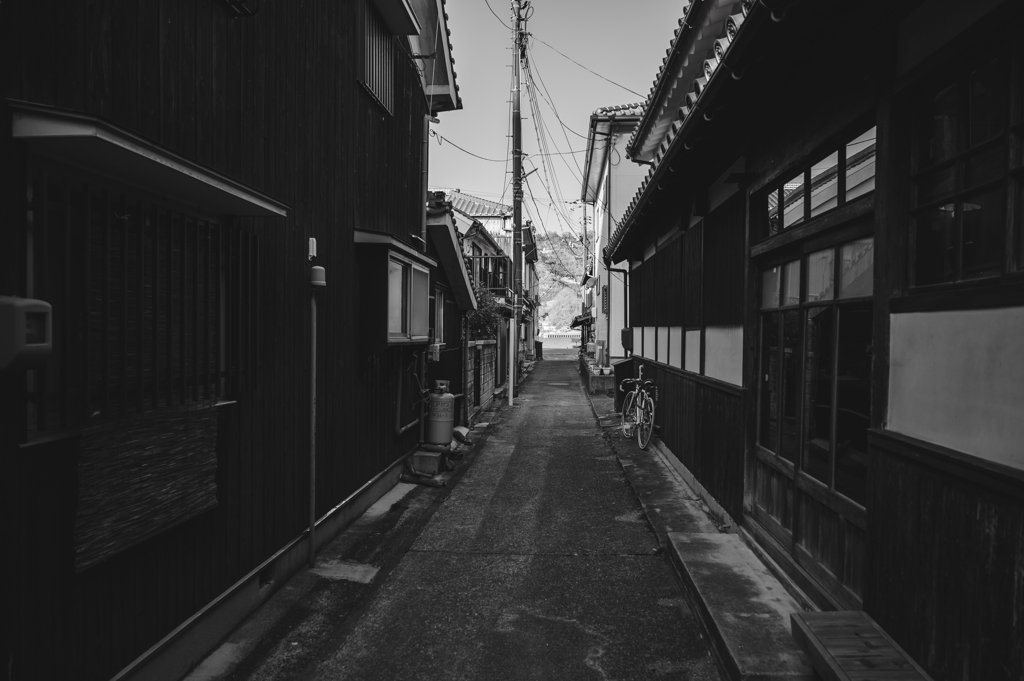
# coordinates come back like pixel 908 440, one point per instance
pixel 638 340
pixel 663 344
pixel 692 358
pixel 649 340
pixel 675 346
pixel 956 379
pixel 723 353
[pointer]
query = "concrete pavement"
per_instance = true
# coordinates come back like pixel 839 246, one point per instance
pixel 536 563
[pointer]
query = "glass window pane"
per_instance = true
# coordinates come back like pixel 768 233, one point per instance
pixel 793 200
pixel 937 185
pixel 860 165
pixel 984 216
pixel 396 298
pixel 937 139
pixel 791 284
pixel 933 252
pixel 820 272
pixel 853 400
pixel 988 165
pixel 420 302
pixel 438 316
pixel 857 269
pixel 817 458
pixel 770 281
pixel 987 92
pixel 768 432
pixel 791 383
pixel 773 211
pixel 824 184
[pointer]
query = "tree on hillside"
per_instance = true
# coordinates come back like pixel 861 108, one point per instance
pixel 560 310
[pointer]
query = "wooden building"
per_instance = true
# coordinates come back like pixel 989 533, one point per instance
pixel 825 281
pixel 163 167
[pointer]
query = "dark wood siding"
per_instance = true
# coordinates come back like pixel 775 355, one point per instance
pixel 696 421
pixel 649 292
pixel 692 261
pixel 275 102
pixel 724 260
pixel 945 572
pixel 669 310
pixel 636 294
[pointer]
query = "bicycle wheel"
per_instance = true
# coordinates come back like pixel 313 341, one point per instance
pixel 629 413
pixel 645 421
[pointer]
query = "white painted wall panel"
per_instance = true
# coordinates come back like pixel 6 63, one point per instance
pixel 956 379
pixel 723 354
pixel 663 344
pixel 638 341
pixel 675 346
pixel 649 340
pixel 692 359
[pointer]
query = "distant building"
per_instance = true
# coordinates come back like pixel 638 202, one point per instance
pixel 609 182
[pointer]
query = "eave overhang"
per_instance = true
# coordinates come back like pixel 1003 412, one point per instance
pixel 603 123
pixel 438 65
pixel 692 126
pixel 99 147
pixel 399 15
pixel 441 230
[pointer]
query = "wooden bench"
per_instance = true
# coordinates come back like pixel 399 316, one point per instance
pixel 848 645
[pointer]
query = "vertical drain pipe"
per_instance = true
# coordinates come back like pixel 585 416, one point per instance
pixel 317 279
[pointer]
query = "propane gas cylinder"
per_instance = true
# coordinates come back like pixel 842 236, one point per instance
pixel 440 415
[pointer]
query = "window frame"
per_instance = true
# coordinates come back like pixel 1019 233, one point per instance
pixel 377 56
pixel 1009 260
pixel 408 299
pixel 762 205
pixel 777 313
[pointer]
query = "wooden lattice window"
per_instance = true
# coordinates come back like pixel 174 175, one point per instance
pixel 378 55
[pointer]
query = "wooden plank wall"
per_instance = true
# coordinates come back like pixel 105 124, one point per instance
pixel 697 423
pixel 945 565
pixel 274 101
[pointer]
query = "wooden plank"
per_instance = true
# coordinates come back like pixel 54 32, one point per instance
pixel 845 641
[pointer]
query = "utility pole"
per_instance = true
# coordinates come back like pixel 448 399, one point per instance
pixel 519 47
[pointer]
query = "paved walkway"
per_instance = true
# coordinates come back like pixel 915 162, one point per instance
pixel 537 564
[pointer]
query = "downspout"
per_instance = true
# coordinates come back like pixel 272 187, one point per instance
pixel 465 370
pixel 424 161
pixel 607 222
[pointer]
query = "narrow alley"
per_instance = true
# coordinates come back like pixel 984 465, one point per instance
pixel 538 563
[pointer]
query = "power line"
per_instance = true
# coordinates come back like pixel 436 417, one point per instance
pixel 584 67
pixel 496 16
pixel 492 160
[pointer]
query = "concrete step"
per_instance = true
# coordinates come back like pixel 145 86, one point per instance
pixel 430 463
pixel 744 608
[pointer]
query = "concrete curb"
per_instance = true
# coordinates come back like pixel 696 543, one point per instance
pixel 743 609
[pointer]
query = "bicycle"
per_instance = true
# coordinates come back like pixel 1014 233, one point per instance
pixel 638 408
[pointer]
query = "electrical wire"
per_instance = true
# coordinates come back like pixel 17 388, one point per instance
pixel 434 133
pixel 496 16
pixel 585 68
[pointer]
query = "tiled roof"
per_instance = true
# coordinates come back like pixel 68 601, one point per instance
pixel 451 48
pixel 477 207
pixel 698 50
pixel 695 41
pixel 634 109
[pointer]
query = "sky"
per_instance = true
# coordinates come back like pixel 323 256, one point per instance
pixel 623 42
